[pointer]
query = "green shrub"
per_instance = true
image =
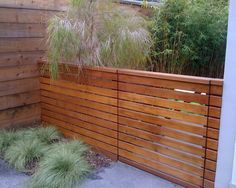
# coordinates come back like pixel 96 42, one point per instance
pixel 190 37
pixel 62 167
pixel 24 152
pixel 7 138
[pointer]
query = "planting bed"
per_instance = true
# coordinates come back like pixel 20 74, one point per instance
pixel 50 159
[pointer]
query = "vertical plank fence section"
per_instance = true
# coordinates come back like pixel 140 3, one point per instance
pixel 165 124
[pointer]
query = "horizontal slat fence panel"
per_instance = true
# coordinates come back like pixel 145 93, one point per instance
pixel 175 121
pixel 35 4
pixel 165 124
pixel 20 116
pixel 8 30
pixel 22 43
pixel 24 16
pixel 82 109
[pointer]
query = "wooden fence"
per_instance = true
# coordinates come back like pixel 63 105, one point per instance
pixel 22 37
pixel 165 124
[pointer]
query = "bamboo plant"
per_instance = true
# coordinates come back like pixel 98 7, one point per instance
pixel 97 33
pixel 190 37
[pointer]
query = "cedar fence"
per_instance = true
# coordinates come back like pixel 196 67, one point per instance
pixel 165 124
pixel 22 43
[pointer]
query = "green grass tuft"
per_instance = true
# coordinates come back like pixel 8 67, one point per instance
pixel 75 147
pixel 7 138
pixel 59 165
pixel 24 152
pixel 46 135
pixel 62 167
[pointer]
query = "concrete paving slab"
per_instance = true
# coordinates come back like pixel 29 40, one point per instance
pixel 9 178
pixel 118 175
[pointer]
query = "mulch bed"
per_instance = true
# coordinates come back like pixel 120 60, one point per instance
pixel 97 160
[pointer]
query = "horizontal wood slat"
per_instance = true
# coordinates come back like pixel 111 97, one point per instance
pixel 18 59
pixel 21 99
pixel 162 140
pixel 165 150
pixel 83 124
pixel 91 81
pixel 83 117
pixel 82 95
pixel 165 83
pixel 87 111
pixel 82 88
pixel 21 44
pixel 80 109
pixel 19 86
pixel 19 116
pixel 160 167
pixel 81 102
pixel 22 30
pixel 24 16
pixel 165 124
pixel 61 125
pixel 36 4
pixel 162 159
pixel 163 93
pixel 19 72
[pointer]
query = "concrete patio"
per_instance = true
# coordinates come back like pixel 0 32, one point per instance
pixel 118 175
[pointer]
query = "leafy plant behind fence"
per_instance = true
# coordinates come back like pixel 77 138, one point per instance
pixel 98 33
pixel 190 37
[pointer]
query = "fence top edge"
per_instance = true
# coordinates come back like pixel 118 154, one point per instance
pixel 217 82
pixel 173 77
pixel 104 69
pixel 148 74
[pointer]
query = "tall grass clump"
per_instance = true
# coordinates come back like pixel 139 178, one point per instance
pixel 25 147
pixel 63 166
pixel 190 37
pixel 74 146
pixel 46 135
pixel 56 163
pixel 22 153
pixel 7 138
pixel 97 33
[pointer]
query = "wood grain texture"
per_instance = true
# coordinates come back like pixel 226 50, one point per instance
pixel 165 124
pixel 14 30
pixel 36 4
pixel 19 72
pixel 19 59
pixel 22 44
pixel 21 99
pixel 24 16
pixel 19 86
pixel 20 116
